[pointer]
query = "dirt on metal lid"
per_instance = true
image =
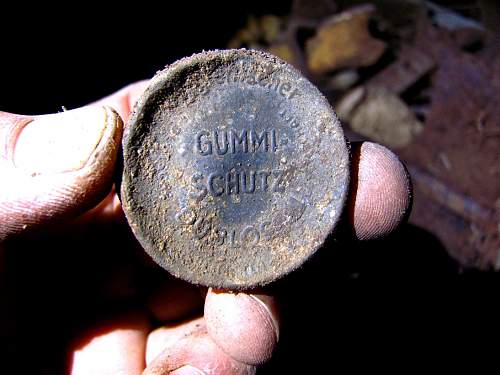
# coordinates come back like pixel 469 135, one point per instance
pixel 235 170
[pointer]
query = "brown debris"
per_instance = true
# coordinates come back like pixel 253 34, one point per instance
pixel 258 33
pixel 462 115
pixel 439 210
pixel 343 41
pixel 381 116
pixel 464 31
pixel 284 52
pixel 423 79
pixel 342 80
pixel 267 33
pixel 313 10
pixel 413 63
pixel 270 28
pixel 460 204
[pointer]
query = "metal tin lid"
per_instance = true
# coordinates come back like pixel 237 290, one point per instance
pixel 235 169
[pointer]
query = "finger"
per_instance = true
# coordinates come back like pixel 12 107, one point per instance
pixel 245 326
pixel 187 349
pixel 109 210
pixel 123 101
pixel 166 337
pixel 380 191
pixel 55 166
pixel 113 348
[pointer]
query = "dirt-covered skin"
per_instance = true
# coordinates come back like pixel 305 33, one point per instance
pixel 235 169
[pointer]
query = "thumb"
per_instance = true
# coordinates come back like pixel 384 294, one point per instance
pixel 55 166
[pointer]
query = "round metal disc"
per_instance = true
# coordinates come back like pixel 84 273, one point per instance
pixel 235 171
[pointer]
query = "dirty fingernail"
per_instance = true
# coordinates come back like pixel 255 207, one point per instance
pixel 187 370
pixel 62 142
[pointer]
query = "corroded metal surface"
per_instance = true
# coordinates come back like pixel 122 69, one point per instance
pixel 235 169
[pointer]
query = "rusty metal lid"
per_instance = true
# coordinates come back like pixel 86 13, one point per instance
pixel 235 169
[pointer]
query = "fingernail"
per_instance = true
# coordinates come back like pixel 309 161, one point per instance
pixel 268 305
pixel 61 142
pixel 187 370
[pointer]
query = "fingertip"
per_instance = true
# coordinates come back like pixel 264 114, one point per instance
pixel 98 173
pixel 195 352
pixel 380 192
pixel 167 337
pixel 113 347
pixel 187 370
pixel 59 166
pixel 245 326
pixel 109 210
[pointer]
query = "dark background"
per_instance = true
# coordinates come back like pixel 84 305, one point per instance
pixel 52 58
pixel 395 304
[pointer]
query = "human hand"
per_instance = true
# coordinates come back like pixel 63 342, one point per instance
pixel 58 167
